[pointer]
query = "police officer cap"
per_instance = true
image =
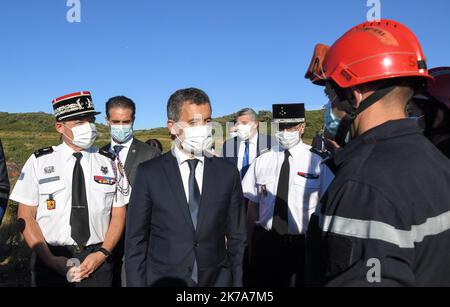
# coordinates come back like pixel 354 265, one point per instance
pixel 293 113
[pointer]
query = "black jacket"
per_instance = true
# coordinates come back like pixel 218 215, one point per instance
pixel 139 152
pixel 230 148
pixel 4 183
pixel 161 241
pixel 385 220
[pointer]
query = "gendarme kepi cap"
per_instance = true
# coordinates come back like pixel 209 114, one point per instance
pixel 73 106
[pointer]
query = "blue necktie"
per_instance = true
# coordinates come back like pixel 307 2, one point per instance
pixel 118 149
pixel 246 159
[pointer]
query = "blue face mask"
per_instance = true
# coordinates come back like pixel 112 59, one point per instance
pixel 331 121
pixel 121 133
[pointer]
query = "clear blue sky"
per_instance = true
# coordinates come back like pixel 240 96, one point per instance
pixel 241 52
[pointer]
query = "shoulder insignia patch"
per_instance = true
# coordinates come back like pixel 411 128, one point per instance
pixel 107 154
pixel 43 152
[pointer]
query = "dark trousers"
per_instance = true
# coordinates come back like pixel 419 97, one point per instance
pixel 276 261
pixel 46 277
pixel 119 277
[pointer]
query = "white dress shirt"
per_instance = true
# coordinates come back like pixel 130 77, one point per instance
pixel 50 177
pixel 123 154
pixel 309 179
pixel 182 158
pixel 253 150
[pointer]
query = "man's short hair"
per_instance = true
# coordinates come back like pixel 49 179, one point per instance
pixel 246 111
pixel 156 144
pixel 121 102
pixel 190 95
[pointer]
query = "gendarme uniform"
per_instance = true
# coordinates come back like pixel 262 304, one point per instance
pixel 277 258
pixel 46 182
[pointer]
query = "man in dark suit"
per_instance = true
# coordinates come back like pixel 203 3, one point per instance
pixel 248 144
pixel 4 184
pixel 130 152
pixel 186 218
pixel 120 112
pixel 241 151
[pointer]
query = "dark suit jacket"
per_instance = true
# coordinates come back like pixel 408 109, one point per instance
pixel 230 148
pixel 139 152
pixel 4 182
pixel 161 241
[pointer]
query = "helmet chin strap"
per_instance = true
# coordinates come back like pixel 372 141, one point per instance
pixel 352 112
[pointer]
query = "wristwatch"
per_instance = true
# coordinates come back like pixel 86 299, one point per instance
pixel 106 252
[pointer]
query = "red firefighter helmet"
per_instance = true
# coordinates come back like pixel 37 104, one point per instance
pixel 440 88
pixel 374 51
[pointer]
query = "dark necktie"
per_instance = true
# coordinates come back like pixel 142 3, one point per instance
pixel 280 214
pixel 79 215
pixel 194 192
pixel 246 159
pixel 118 149
pixel 194 204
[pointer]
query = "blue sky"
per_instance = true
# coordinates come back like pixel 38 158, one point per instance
pixel 241 52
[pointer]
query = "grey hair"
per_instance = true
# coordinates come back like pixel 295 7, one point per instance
pixel 246 111
pixel 176 101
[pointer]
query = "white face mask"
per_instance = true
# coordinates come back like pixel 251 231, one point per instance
pixel 84 135
pixel 244 131
pixel 288 139
pixel 197 139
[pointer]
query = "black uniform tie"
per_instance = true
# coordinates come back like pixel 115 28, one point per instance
pixel 79 216
pixel 280 214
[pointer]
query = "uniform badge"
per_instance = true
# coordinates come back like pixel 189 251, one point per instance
pixel 264 190
pixel 104 170
pixel 120 168
pixel 51 203
pixel 104 180
pixel 47 180
pixel 308 176
pixel 49 169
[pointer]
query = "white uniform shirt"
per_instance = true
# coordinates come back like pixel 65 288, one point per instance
pixel 309 179
pixel 253 144
pixel 185 171
pixel 50 175
pixel 123 154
